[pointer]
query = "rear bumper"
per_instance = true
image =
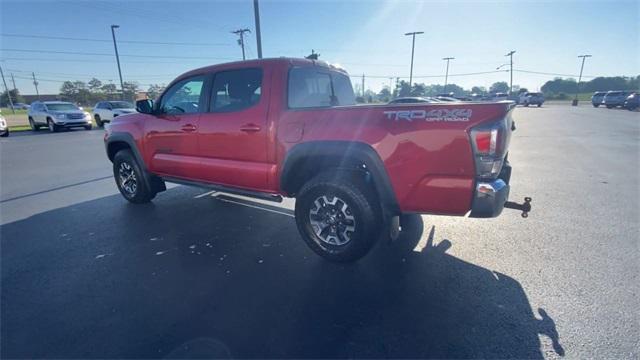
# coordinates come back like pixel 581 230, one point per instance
pixel 490 196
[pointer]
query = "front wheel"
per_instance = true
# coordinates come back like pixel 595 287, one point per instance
pixel 52 126
pixel 338 216
pixel 88 127
pixel 99 122
pixel 130 178
pixel 33 125
pixel 596 105
pixel 539 105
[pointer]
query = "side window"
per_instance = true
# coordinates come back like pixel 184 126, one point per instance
pixel 309 87
pixel 184 97
pixel 236 90
pixel 314 87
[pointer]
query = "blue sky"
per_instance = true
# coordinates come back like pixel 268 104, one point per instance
pixel 363 36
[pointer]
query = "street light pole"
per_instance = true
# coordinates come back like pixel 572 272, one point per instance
pixel 413 45
pixel 575 101
pixel 446 74
pixel 510 55
pixel 256 13
pixel 115 46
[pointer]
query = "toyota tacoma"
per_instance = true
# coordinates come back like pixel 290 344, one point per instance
pixel 275 128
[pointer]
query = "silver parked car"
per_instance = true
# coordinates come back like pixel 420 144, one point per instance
pixel 105 111
pixel 57 115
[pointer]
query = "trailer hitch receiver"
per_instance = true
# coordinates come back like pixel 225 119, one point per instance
pixel 524 207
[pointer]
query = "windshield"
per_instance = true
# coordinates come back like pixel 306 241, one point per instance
pixel 61 107
pixel 121 105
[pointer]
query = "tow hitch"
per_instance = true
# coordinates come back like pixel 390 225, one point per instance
pixel 524 207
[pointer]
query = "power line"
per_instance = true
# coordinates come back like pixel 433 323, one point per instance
pixel 106 54
pixel 104 40
pixel 552 74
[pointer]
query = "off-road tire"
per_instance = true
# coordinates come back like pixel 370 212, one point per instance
pixel 341 187
pixel 141 193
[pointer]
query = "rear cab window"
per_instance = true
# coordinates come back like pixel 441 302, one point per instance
pixel 311 87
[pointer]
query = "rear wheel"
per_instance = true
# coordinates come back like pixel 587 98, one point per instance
pixel 539 105
pixel 338 216
pixel 609 107
pixel 130 178
pixel 596 105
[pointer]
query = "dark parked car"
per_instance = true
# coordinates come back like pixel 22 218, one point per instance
pixel 632 102
pixel 596 99
pixel 615 98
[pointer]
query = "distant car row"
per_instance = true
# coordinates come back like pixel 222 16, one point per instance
pixel 625 99
pixel 525 99
pixel 57 115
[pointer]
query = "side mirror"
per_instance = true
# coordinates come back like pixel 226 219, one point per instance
pixel 144 106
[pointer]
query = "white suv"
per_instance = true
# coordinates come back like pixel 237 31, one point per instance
pixel 105 111
pixel 57 115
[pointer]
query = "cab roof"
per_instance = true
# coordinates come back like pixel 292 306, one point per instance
pixel 257 62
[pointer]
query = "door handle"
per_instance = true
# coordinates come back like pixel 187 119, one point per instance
pixel 189 128
pixel 250 128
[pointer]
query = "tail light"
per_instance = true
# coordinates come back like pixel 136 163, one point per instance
pixel 490 143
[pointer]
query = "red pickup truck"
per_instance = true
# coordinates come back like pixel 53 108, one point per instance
pixel 291 127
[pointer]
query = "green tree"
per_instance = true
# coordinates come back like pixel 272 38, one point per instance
pixel 95 85
pixel 154 91
pixel 130 90
pixel 109 90
pixel 403 89
pixel 15 97
pixel 480 90
pixel 384 95
pixel 500 86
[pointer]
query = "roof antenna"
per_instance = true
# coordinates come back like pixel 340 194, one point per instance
pixel 314 55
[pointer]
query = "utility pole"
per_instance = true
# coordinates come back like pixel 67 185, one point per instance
pixel 7 90
pixel 241 40
pixel 390 85
pixel 584 57
pixel 256 13
pixel 115 46
pixel 413 45
pixel 363 86
pixel 13 81
pixel 35 83
pixel 510 55
pixel 446 74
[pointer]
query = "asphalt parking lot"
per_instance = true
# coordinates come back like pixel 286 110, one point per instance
pixel 87 275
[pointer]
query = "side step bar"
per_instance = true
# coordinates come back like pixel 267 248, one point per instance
pixel 221 188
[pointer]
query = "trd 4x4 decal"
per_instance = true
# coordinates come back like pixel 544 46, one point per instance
pixel 431 115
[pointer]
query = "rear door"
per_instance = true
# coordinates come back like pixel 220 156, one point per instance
pixel 233 133
pixel 171 141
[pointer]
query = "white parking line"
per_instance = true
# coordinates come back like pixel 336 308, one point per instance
pixel 256 207
pixel 205 194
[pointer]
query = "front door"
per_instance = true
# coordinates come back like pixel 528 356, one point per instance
pixel 233 134
pixel 171 141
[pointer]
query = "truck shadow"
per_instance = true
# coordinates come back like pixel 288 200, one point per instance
pixel 186 277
